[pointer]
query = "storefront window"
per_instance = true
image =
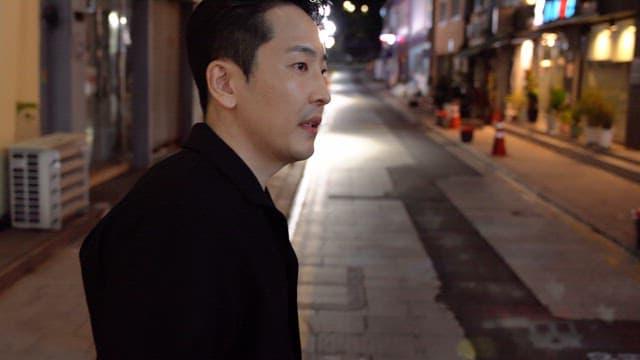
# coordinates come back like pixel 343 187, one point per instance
pixel 610 52
pixel 108 82
pixel 455 8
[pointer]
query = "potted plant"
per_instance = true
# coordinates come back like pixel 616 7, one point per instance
pixel 516 103
pixel 568 122
pixel 606 133
pixel 557 103
pixel 575 130
pixel 532 97
pixel 599 118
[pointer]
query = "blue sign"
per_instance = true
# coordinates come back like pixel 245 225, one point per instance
pixel 558 9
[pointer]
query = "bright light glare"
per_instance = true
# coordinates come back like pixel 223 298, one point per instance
pixel 602 46
pixel 388 39
pixel 326 38
pixel 325 10
pixel 538 13
pixel 549 39
pixel 348 6
pixel 329 42
pixel 364 8
pixel 114 19
pixel 626 44
pixel 329 26
pixel 123 20
pixel 526 54
pixel 323 35
pixel 531 2
pixel 545 63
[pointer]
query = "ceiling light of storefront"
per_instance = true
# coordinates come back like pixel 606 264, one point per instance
pixel 526 54
pixel 616 45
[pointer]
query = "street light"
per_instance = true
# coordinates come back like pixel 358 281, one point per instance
pixel 325 11
pixel 388 38
pixel 348 6
pixel 329 26
pixel 114 20
pixel 326 32
pixel 329 42
pixel 364 8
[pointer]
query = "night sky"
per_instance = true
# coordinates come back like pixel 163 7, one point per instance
pixel 357 34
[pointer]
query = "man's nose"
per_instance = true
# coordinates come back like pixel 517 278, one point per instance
pixel 321 94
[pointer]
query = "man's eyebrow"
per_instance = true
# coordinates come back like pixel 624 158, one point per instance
pixel 307 50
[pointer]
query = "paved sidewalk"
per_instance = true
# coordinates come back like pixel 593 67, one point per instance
pixel 593 190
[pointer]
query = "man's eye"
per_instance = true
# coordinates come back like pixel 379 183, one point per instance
pixel 300 66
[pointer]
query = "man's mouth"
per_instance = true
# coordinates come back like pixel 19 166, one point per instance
pixel 311 124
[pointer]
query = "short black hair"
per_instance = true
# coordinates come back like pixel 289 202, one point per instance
pixel 232 30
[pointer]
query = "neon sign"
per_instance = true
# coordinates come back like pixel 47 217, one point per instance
pixel 552 10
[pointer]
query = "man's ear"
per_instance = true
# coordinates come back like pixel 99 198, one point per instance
pixel 220 81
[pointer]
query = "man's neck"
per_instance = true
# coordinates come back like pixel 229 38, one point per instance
pixel 262 168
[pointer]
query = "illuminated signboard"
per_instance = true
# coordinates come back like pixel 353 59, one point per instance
pixel 552 10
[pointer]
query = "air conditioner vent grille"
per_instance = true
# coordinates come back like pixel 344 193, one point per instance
pixel 48 180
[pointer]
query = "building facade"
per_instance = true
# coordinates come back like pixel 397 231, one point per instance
pixel 406 43
pixel 577 46
pixel 114 70
pixel 507 57
pixel 20 85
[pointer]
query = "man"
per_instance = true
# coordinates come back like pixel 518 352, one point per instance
pixel 195 262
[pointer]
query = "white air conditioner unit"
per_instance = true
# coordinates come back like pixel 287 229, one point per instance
pixel 48 180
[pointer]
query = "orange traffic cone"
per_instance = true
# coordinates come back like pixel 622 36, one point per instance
pixel 499 148
pixel 455 122
pixel 455 115
pixel 496 116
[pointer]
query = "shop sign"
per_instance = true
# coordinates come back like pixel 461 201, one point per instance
pixel 552 10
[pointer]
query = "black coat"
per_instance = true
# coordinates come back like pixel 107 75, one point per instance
pixel 194 263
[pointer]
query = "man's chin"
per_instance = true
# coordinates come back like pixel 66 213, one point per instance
pixel 303 155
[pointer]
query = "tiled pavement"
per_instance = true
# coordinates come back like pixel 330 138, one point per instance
pixel 367 288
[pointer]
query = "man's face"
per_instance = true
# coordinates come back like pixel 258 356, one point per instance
pixel 281 105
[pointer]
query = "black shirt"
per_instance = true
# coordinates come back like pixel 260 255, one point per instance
pixel 194 263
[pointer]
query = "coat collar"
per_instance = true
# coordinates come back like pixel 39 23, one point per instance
pixel 205 141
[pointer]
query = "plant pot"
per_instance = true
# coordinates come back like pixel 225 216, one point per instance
pixel 466 134
pixel 575 131
pixel 606 138
pixel 551 123
pixel 591 135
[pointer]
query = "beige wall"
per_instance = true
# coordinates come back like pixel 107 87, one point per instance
pixel 449 34
pixel 165 72
pixel 19 71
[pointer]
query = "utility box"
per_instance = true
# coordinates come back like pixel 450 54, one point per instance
pixel 48 180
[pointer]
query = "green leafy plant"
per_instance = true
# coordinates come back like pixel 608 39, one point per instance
pixel 532 83
pixel 557 99
pixel 566 116
pixel 595 108
pixel 517 100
